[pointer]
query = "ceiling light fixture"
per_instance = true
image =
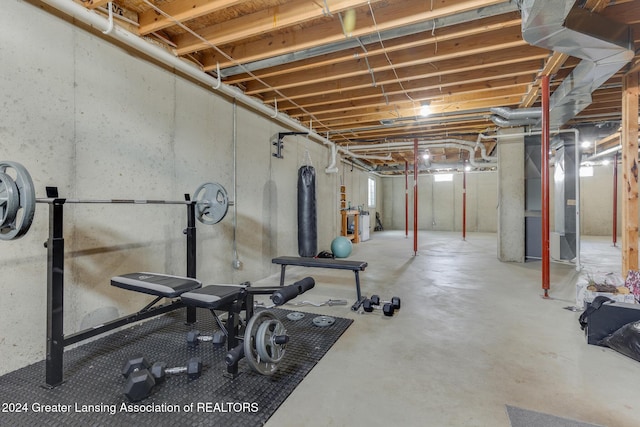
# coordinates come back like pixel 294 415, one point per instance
pixel 425 109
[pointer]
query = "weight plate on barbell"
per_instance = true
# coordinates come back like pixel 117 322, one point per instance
pixel 295 315
pixel 212 203
pixel 9 200
pixel 24 197
pixel 324 321
pixel 268 349
pixel 251 342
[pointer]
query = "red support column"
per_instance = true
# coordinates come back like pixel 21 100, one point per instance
pixel 464 203
pixel 615 199
pixel 415 197
pixel 544 168
pixel 406 198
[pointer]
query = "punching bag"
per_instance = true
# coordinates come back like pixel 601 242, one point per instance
pixel 307 223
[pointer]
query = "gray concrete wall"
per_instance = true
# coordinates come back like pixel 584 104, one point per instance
pixel 440 203
pixel 596 202
pixel 511 197
pixel 98 122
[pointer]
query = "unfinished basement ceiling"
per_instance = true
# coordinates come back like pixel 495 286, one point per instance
pixel 359 71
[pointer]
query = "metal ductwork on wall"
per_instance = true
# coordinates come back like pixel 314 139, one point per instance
pixel 604 45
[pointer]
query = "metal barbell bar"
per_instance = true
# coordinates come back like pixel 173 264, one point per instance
pixel 17 201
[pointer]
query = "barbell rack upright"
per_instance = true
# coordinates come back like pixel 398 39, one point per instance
pixel 55 295
pixel 56 340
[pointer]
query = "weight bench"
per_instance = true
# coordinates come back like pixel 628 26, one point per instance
pixel 230 298
pixel 339 264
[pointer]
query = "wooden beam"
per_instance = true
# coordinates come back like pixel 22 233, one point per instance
pixel 629 173
pixel 373 95
pixel 265 21
pixel 414 41
pixel 426 79
pixel 422 68
pixel 551 67
pixel 181 11
pixel 389 15
pixel 399 101
pixel 93 4
pixel 447 51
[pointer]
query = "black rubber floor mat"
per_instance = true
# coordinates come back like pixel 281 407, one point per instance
pixel 92 392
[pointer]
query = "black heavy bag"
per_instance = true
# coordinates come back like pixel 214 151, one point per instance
pixel 307 221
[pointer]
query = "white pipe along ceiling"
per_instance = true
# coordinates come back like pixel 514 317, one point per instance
pixel 367 87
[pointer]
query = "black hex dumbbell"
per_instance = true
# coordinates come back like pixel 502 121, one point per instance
pixel 395 301
pixel 159 370
pixel 142 377
pixel 140 382
pixel 217 339
pixel 368 306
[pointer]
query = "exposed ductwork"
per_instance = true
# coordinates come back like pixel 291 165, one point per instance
pixel 604 46
pixel 508 117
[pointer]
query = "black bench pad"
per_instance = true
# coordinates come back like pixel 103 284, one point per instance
pixel 162 285
pixel 213 296
pixel 341 264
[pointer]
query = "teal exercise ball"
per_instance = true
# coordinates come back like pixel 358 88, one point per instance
pixel 341 247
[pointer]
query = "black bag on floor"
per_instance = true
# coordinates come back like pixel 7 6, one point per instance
pixel 625 340
pixel 595 305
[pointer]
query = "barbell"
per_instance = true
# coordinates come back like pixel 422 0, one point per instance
pixel 18 201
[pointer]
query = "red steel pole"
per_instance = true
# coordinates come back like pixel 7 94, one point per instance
pixel 415 197
pixel 406 198
pixel 615 199
pixel 464 204
pixel 545 185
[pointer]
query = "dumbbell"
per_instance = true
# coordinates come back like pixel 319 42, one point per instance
pixel 395 301
pixel 159 370
pixel 142 377
pixel 140 382
pixel 387 308
pixel 217 339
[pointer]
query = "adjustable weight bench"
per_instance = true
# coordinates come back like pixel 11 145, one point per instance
pixel 230 298
pixel 340 264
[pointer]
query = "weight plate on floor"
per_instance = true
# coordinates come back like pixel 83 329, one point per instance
pixel 212 203
pixel 25 197
pixel 324 321
pixel 295 315
pixel 251 343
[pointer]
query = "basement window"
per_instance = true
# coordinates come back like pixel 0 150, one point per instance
pixel 443 177
pixel 586 170
pixel 372 193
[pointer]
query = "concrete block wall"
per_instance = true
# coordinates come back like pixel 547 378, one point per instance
pixel 99 122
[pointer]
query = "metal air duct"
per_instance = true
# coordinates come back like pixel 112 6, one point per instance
pixel 604 46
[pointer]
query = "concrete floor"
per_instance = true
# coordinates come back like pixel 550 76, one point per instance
pixel 473 335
